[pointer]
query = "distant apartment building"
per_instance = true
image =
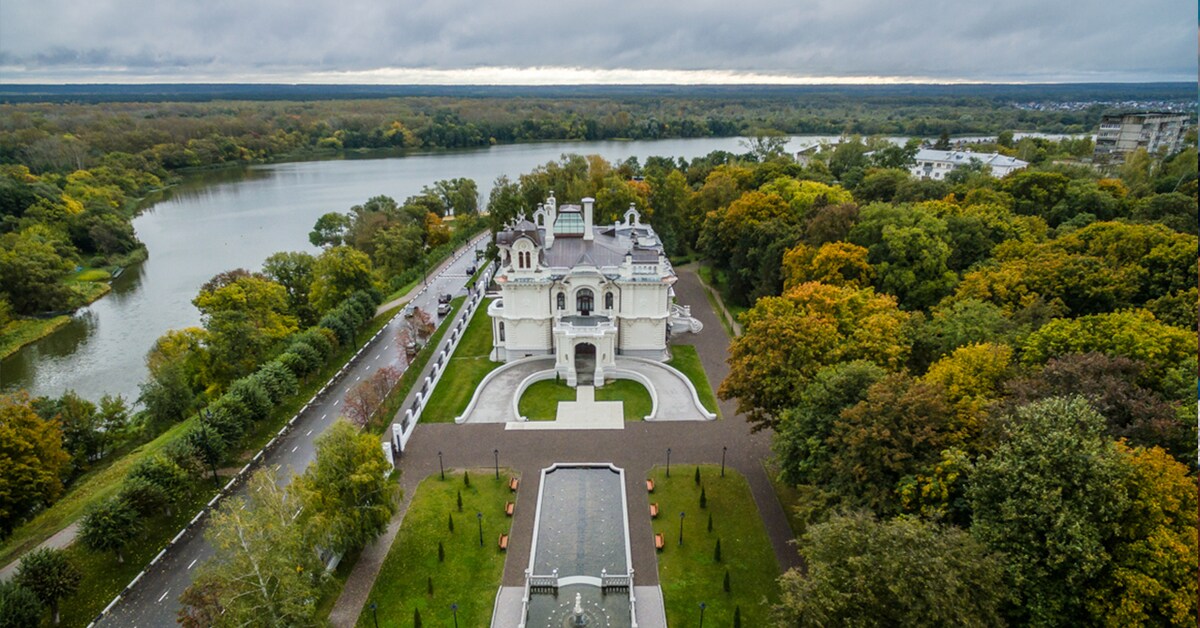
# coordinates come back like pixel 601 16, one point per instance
pixel 1123 133
pixel 936 164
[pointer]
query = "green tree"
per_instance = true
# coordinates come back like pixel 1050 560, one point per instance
pixel 30 273
pixel 19 607
pixel 32 461
pixel 347 497
pixel 803 432
pixel 1054 528
pixel 909 250
pixel 49 575
pixel 166 396
pixel 109 526
pixel 264 571
pixel 338 273
pixel 293 270
pixel 162 473
pixel 904 572
pixel 330 230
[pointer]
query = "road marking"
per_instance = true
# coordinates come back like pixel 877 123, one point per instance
pixel 308 433
pixel 336 401
pixel 295 448
pixel 358 378
pixel 323 416
pixel 379 356
pixel 160 598
pixel 193 563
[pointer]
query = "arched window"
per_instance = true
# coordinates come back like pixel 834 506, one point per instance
pixel 562 301
pixel 583 301
pixel 608 300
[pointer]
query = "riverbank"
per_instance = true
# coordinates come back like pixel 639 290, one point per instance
pixel 90 284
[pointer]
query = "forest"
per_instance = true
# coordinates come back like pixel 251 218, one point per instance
pixel 922 351
pixel 981 390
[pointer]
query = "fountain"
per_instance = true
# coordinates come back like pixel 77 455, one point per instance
pixel 579 622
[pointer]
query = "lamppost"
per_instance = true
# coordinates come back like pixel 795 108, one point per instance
pixel 443 469
pixel 425 265
pixel 668 462
pixel 479 516
pixel 454 609
pixel 702 606
pixel 375 614
pixel 723 449
pixel 681 528
pixel 496 453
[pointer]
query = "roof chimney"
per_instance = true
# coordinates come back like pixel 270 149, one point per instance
pixel 551 210
pixel 587 218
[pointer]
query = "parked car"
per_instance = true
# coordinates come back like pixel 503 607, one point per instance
pixel 408 310
pixel 470 271
pixel 444 298
pixel 443 309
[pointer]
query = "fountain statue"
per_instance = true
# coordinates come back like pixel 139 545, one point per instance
pixel 580 621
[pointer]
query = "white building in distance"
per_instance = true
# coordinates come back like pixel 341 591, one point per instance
pixel 936 164
pixel 1123 133
pixel 581 292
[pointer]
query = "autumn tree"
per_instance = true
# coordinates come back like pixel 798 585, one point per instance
pixel 1131 411
pixel 903 572
pixel 347 497
pixel 32 460
pixel 49 575
pixel 836 263
pixel 293 270
pixel 787 339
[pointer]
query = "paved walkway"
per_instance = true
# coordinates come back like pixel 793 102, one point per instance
pixel 637 448
pixel 500 388
pixel 60 540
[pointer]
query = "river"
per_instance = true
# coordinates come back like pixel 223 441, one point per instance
pixel 235 219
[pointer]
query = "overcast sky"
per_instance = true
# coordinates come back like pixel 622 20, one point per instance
pixel 607 41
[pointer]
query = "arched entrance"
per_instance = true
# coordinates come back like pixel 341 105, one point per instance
pixel 585 362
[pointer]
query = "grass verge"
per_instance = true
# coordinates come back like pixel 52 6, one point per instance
pixel 22 331
pixel 391 405
pixel 104 577
pixel 469 576
pixel 467 368
pixel 685 359
pixel 689 573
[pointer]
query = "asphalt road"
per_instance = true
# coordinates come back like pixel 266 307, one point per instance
pixel 154 600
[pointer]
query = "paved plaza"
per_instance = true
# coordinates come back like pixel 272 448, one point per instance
pixel 636 448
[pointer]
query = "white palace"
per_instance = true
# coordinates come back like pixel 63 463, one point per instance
pixel 583 293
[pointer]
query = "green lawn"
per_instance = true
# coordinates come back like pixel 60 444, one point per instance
pixel 685 359
pixel 470 575
pixel 104 577
pixel 634 395
pixel 689 574
pixel 467 368
pixel 540 401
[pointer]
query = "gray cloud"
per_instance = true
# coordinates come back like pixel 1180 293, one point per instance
pixel 288 40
